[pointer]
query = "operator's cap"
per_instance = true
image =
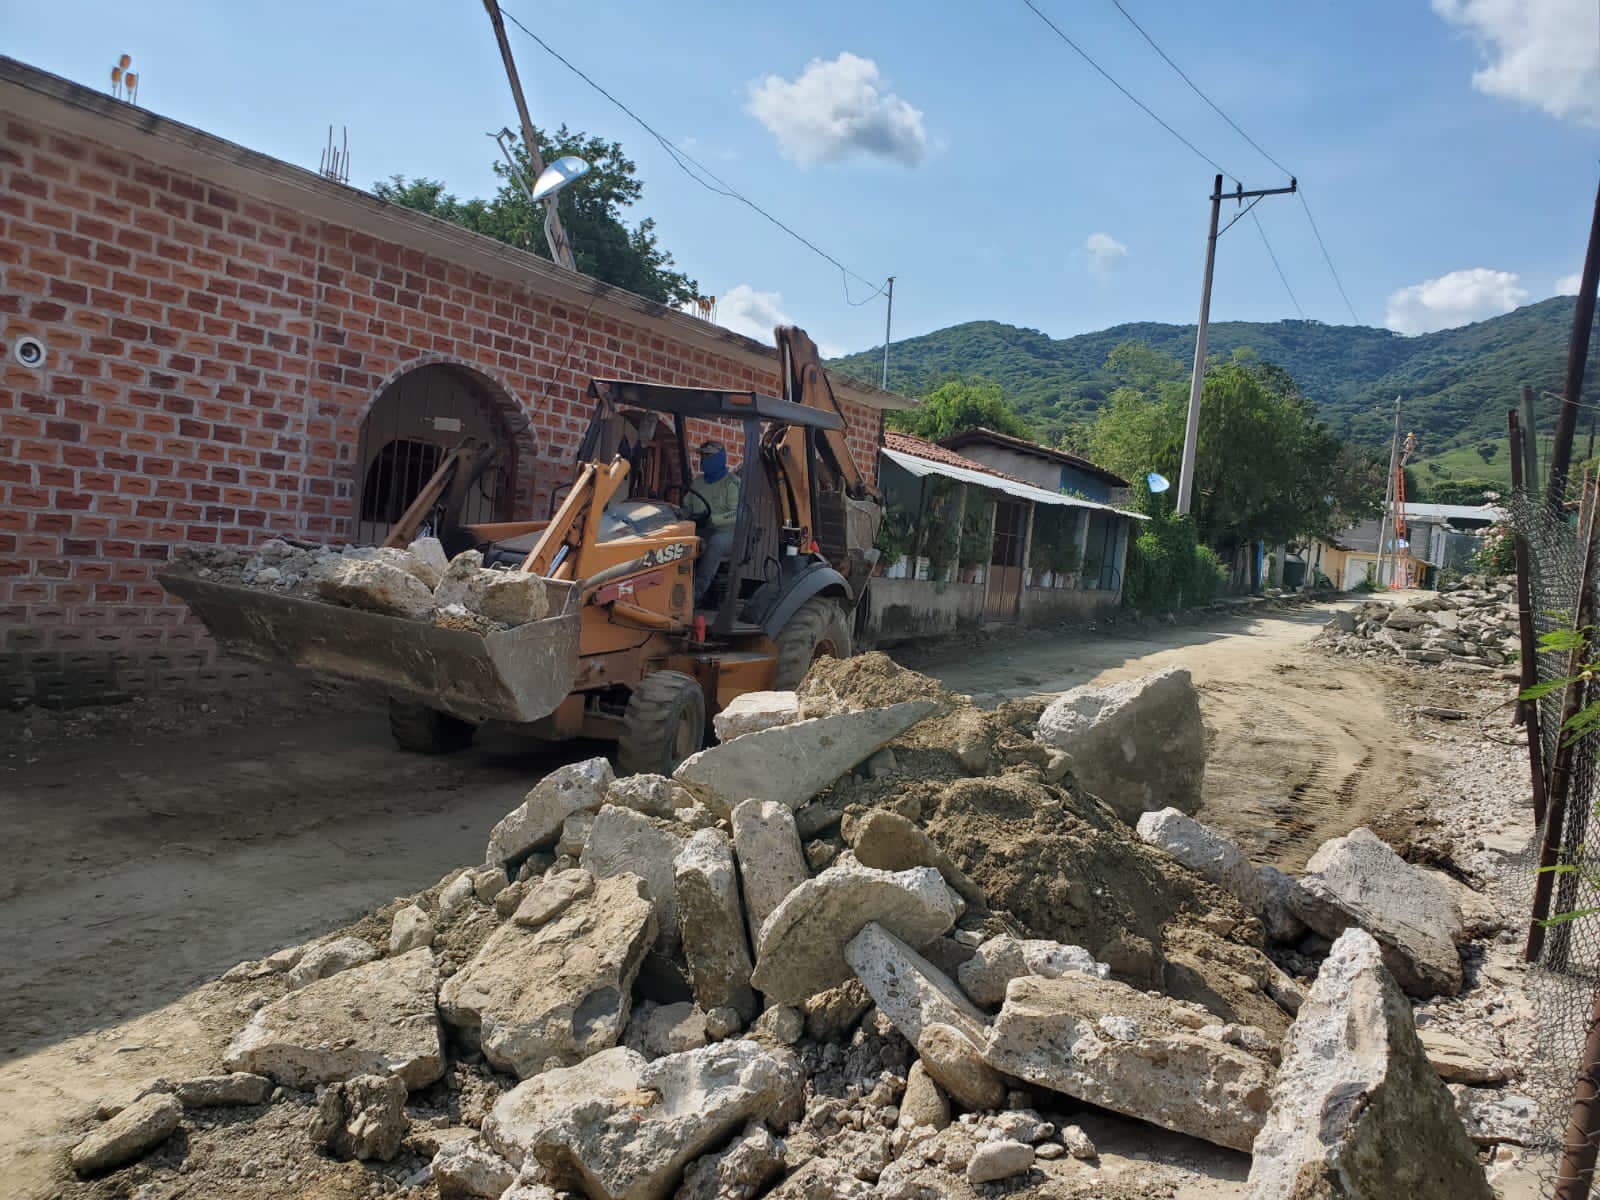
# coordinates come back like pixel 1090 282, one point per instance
pixel 711 446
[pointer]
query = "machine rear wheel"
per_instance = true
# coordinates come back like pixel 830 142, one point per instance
pixel 424 730
pixel 664 723
pixel 818 629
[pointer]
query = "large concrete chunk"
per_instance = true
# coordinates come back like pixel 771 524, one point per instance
pixel 1139 745
pixel 891 842
pixel 1003 958
pixel 623 842
pixel 144 1124
pixel 558 991
pixel 755 711
pixel 1358 1110
pixel 376 1019
pixel 908 989
pixel 376 585
pixel 1358 880
pixel 750 1162
pixel 711 924
pixel 509 597
pixel 792 763
pixel 1205 852
pixel 330 958
pixel 619 1128
pixel 802 943
pixel 1132 1052
pixel 576 787
pixel 771 861
pixel 363 1118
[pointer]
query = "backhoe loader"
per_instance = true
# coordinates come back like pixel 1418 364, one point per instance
pixel 626 654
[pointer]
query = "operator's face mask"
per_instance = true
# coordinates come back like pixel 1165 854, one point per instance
pixel 714 465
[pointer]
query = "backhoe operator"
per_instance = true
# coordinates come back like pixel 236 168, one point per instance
pixel 719 488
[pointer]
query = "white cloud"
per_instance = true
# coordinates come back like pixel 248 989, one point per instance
pixel 755 314
pixel 833 110
pixel 1540 52
pixel 1104 252
pixel 1567 285
pixel 1458 298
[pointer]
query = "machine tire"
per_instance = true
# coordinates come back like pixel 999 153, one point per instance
pixel 424 730
pixel 664 723
pixel 818 629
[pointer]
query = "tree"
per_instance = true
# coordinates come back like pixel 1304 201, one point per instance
pixel 959 404
pixel 1463 491
pixel 1265 467
pixel 592 209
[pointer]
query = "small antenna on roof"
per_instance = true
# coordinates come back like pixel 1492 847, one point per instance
pixel 335 162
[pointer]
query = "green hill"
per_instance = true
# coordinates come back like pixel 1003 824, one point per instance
pixel 1456 384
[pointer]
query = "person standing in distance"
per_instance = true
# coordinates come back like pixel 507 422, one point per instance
pixel 719 488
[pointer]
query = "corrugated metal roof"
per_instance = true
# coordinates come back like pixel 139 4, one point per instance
pixel 917 465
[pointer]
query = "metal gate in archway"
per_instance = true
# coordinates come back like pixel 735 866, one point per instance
pixel 407 432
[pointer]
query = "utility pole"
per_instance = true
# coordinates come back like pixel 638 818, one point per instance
pixel 1577 356
pixel 1191 433
pixel 1386 526
pixel 554 235
pixel 888 324
pixel 1530 441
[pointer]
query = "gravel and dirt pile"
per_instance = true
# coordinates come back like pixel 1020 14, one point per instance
pixel 949 972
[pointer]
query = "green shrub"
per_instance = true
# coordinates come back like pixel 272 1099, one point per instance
pixel 1168 569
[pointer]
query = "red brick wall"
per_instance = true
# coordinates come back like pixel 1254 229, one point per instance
pixel 210 360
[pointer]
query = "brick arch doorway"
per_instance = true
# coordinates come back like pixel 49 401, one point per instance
pixel 414 423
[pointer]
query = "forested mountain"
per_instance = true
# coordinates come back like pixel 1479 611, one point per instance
pixel 1456 384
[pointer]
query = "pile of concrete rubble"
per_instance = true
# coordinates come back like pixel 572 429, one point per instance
pixel 419 582
pixel 1466 626
pixel 877 942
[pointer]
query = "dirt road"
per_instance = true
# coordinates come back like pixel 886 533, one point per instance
pixel 1301 746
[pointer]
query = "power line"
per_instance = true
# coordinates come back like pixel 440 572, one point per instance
pixel 1282 278
pixel 1084 54
pixel 1328 258
pixel 1196 89
pixel 1237 128
pixel 680 156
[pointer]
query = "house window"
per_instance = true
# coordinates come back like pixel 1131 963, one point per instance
pixel 396 474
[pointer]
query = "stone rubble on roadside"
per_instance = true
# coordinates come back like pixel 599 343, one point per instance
pixel 877 1030
pixel 755 711
pixel 1357 1105
pixel 133 1132
pixel 1470 625
pixel 1139 745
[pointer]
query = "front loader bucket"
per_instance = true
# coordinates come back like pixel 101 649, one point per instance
pixel 518 674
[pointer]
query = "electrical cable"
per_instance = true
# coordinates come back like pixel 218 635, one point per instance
pixel 680 156
pixel 1237 128
pixel 1084 54
pixel 1282 278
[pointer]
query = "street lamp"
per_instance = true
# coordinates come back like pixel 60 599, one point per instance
pixel 557 175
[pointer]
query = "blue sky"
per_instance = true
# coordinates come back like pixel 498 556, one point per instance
pixel 1448 150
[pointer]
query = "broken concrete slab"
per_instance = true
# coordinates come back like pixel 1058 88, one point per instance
pixel 363 1118
pixel 223 1091
pixel 1278 915
pixel 1358 880
pixel 711 924
pixel 553 895
pixel 790 764
pixel 755 711
pixel 618 1128
pixel 1132 1052
pixel 466 1169
pixel 133 1132
pixel 1491 1116
pixel 771 861
pixel 330 958
pixel 656 1030
pixel 802 943
pixel 1458 1062
pixel 624 842
pixel 1205 852
pixel 960 1068
pixel 891 842
pixel 375 585
pixel 1139 745
pixel 508 597
pixel 537 821
pixel 374 1019
pixel 741 1170
pixel 999 1159
pixel 923 1103
pixel 411 929
pixel 643 793
pixel 1003 958
pixel 559 991
pixel 1356 1097
pixel 908 989
pixel 431 562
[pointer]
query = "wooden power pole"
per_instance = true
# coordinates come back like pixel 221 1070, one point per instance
pixel 1191 431
pixel 1386 525
pixel 1577 357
